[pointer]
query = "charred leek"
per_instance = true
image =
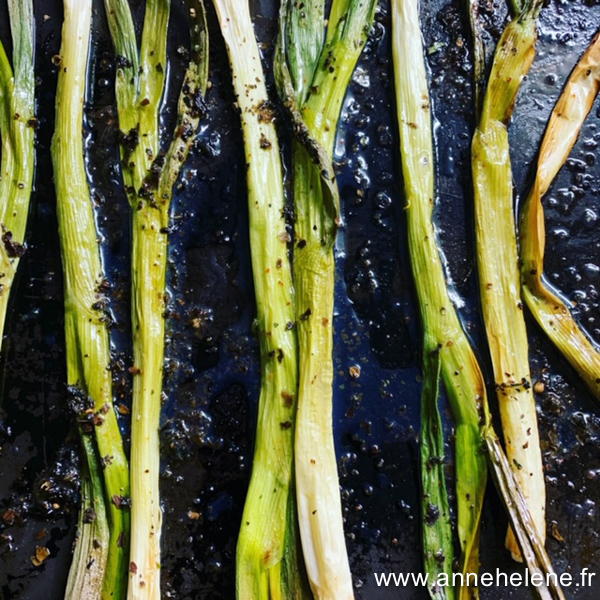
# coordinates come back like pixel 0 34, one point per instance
pixel 446 349
pixel 99 567
pixel 268 564
pixel 447 353
pixel 17 123
pixel 149 176
pixel 312 77
pixel 549 309
pixel 499 280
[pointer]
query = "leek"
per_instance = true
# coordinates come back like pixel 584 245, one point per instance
pixel 149 176
pixel 447 353
pixel 499 280
pixel 268 564
pixel 17 126
pixel 99 567
pixel 312 75
pixel 549 309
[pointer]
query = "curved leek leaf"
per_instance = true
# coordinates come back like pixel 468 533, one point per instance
pixel 549 309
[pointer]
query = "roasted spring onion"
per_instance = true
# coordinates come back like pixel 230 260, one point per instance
pixel 499 280
pixel 149 176
pixel 17 123
pixel 99 568
pixel 549 309
pixel 447 354
pixel 446 349
pixel 268 563
pixel 312 76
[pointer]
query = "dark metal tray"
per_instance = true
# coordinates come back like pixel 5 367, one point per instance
pixel 212 360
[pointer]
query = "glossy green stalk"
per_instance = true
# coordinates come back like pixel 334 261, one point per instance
pixel 138 104
pixel 446 348
pixel 86 333
pixel 17 126
pixel 149 177
pixel 315 104
pixel 499 279
pixel 549 309
pixel 447 353
pixel 268 564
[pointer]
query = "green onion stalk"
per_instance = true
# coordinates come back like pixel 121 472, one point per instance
pixel 99 568
pixel 17 127
pixel 313 71
pixel 447 354
pixel 149 175
pixel 497 256
pixel 549 309
pixel 269 564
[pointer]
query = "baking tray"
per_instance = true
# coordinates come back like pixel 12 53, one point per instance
pixel 211 371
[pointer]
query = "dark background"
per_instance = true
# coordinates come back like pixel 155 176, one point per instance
pixel 211 370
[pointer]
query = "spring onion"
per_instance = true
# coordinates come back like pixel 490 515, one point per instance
pixel 312 77
pixel 99 567
pixel 447 354
pixel 17 125
pixel 149 176
pixel 268 564
pixel 549 309
pixel 499 280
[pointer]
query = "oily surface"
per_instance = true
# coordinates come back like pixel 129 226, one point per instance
pixel 212 357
